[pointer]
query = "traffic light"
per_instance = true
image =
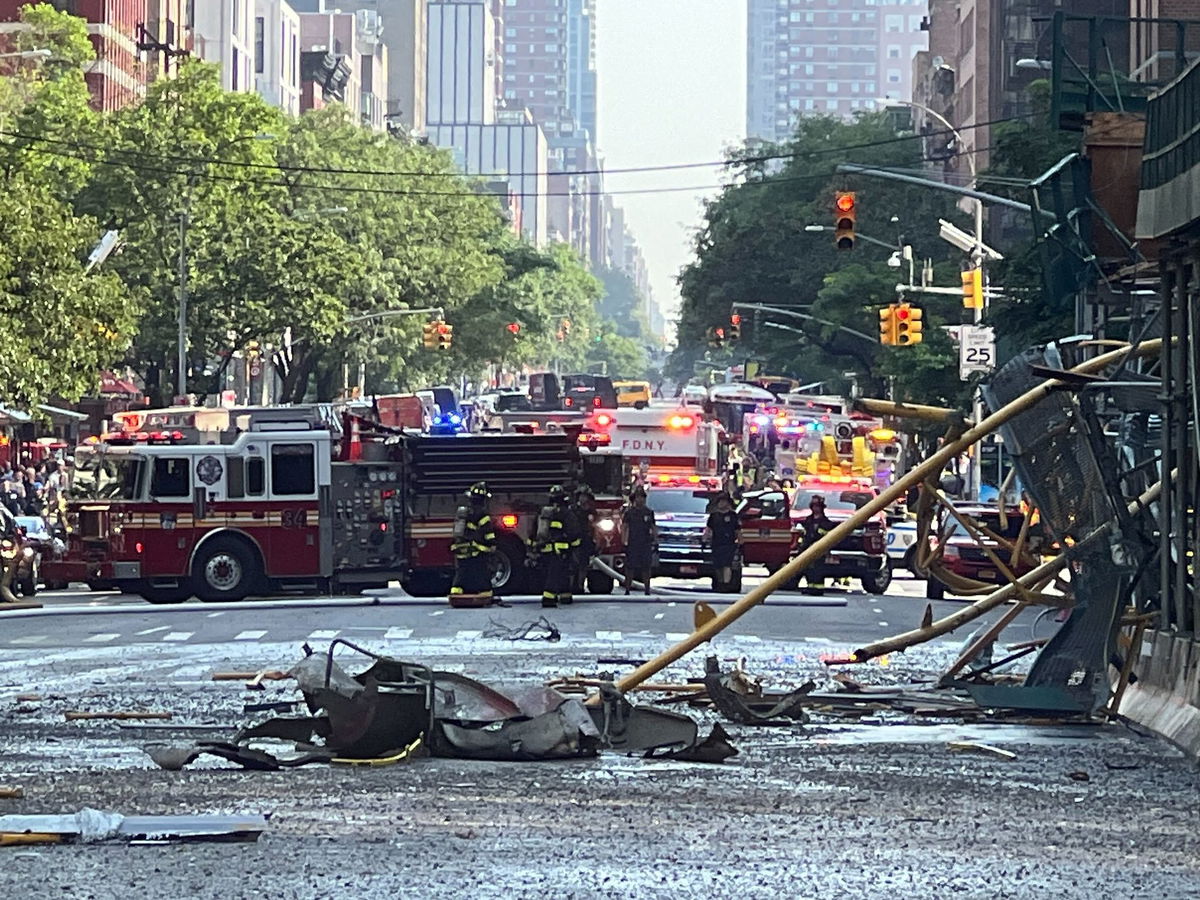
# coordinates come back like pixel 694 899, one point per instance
pixel 716 336
pixel 909 327
pixel 253 350
pixel 429 335
pixel 887 325
pixel 972 288
pixel 735 328
pixel 445 336
pixel 845 217
pixel 513 328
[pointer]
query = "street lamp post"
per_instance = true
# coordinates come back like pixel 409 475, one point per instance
pixel 977 259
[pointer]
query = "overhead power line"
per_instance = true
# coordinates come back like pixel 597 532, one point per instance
pixel 386 173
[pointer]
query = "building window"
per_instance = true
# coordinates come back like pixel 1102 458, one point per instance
pixel 510 48
pixel 260 41
pixel 234 71
pixel 893 76
pixel 551 48
pixel 831 105
pixel 510 32
pixel 237 15
pixel 894 24
pixel 295 78
pixel 831 87
pixel 893 51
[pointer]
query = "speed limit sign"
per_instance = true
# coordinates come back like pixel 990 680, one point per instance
pixel 976 350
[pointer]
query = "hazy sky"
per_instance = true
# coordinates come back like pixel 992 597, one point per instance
pixel 672 89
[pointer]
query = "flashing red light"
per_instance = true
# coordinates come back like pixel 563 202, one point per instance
pixel 509 520
pixel 595 401
pixel 902 314
pixel 844 202
pixel 383 526
pixel 142 436
pixel 139 547
pixel 680 422
pixel 568 401
pixel 603 420
pixel 735 319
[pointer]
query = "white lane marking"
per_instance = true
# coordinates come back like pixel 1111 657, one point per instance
pixel 883 624
pixel 214 615
pixel 30 639
pixel 323 634
pixel 659 615
pixel 876 609
pixel 608 635
pixel 438 612
pixel 154 630
pixel 100 638
pixel 467 635
pixel 249 635
pixel 748 638
pixel 397 634
pixel 676 635
pixel 178 635
pixel 669 605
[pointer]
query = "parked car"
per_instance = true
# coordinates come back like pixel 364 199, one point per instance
pixel 902 544
pixel 967 558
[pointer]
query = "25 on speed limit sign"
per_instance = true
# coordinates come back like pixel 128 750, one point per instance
pixel 976 350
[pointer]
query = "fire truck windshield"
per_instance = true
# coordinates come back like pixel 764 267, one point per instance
pixel 103 477
pixel 834 499
pixel 665 500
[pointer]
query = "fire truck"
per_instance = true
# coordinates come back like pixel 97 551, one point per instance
pixel 678 457
pixel 229 503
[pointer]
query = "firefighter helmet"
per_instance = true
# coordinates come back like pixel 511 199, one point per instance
pixel 479 491
pixel 557 493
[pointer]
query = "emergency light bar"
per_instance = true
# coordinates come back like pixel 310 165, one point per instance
pixel 681 422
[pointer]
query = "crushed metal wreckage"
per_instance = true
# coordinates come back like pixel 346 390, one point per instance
pixel 90 826
pixel 394 705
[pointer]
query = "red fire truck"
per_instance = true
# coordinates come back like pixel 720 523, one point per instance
pixel 276 500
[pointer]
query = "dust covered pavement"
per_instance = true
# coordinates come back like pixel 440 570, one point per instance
pixel 832 806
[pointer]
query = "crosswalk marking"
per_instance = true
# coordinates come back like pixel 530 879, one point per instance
pixel 29 639
pixel 659 615
pixel 397 634
pixel 153 630
pixel 883 624
pixel 608 635
pixel 324 634
pixel 178 635
pixel 467 635
pixel 249 635
pixel 100 638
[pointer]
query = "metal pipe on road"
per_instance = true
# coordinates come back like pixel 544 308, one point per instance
pixel 932 466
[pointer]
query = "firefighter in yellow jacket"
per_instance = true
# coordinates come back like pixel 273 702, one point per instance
pixel 474 542
pixel 557 544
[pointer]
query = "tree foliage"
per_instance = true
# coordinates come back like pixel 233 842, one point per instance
pixel 753 247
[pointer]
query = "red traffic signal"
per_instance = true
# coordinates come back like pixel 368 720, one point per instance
pixel 903 313
pixel 735 319
pixel 513 328
pixel 845 202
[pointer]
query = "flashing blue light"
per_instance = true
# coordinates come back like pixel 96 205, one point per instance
pixel 438 420
pixel 455 419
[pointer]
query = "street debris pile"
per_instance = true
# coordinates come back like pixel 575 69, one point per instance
pixel 394 711
pixel 92 826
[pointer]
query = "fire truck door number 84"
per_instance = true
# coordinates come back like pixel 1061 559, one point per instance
pixel 294 518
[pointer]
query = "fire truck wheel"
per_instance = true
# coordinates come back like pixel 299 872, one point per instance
pixel 509 573
pixel 225 569
pixel 599 583
pixel 878 583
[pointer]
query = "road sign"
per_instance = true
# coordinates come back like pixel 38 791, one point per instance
pixel 976 350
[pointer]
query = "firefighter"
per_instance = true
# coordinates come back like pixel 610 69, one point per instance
pixel 474 542
pixel 584 511
pixel 639 535
pixel 556 543
pixel 815 526
pixel 722 533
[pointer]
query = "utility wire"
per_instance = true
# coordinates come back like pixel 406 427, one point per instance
pixel 333 170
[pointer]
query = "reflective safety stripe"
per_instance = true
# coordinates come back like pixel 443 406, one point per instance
pixel 556 524
pixel 490 536
pixel 481 522
pixel 562 546
pixel 456 590
pixel 549 595
pixel 576 542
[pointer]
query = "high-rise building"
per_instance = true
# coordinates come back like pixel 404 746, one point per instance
pixel 343 60
pixel 277 54
pixel 581 64
pixel 461 82
pixel 832 57
pixel 136 41
pixel 535 46
pixel 225 35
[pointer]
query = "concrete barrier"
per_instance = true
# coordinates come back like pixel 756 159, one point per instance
pixel 1166 698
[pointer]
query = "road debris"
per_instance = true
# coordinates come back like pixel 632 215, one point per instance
pixel 76 715
pixel 1079 776
pixel 254 677
pixel 539 629
pixel 11 793
pixel 393 705
pixel 985 749
pixel 28 698
pixel 742 700
pixel 93 826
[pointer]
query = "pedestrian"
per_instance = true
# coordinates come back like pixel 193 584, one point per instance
pixel 639 533
pixel 556 543
pixel 584 511
pixel 814 526
pixel 723 533
pixel 474 542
